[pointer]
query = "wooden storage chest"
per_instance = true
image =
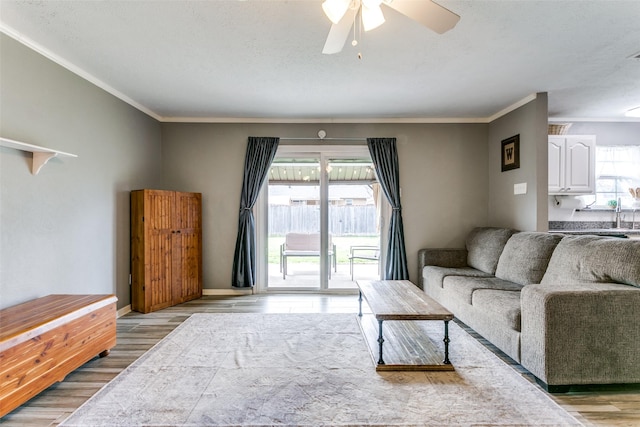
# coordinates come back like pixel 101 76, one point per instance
pixel 42 340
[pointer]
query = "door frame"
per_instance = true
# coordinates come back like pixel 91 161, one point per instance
pixel 323 152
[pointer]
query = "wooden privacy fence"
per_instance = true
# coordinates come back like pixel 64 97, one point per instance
pixel 343 220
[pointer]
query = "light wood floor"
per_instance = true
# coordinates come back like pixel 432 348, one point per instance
pixel 604 406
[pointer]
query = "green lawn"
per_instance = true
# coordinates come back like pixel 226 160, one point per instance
pixel 343 244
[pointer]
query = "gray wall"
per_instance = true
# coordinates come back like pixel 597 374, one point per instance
pixel 66 230
pixel 443 175
pixel 524 211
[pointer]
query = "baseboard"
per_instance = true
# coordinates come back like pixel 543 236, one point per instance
pixel 124 310
pixel 220 292
pixel 579 388
pixel 226 292
pixel 553 388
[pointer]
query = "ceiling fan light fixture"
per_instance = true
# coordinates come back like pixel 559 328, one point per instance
pixel 335 9
pixel 372 17
pixel 371 3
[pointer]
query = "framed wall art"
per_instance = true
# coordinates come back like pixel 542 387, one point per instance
pixel 511 153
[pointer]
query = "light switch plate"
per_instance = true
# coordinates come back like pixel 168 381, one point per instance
pixel 520 188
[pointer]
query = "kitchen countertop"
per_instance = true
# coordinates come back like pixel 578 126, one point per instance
pixel 601 231
pixel 600 228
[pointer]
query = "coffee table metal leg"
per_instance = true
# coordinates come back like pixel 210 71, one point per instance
pixel 380 342
pixel 446 343
pixel 360 305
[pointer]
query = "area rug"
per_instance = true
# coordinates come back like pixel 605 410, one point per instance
pixel 309 370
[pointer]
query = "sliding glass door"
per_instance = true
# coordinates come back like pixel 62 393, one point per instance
pixel 294 218
pixel 320 220
pixel 353 219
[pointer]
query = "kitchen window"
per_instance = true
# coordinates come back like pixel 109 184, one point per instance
pixel 617 170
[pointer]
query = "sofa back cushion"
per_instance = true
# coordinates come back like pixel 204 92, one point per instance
pixel 594 259
pixel 525 257
pixel 484 246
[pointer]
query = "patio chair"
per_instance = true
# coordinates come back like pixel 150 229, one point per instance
pixel 304 245
pixel 371 253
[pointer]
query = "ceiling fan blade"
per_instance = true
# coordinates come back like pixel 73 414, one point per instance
pixel 426 12
pixel 339 33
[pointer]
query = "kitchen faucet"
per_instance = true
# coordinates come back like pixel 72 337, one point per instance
pixel 618 211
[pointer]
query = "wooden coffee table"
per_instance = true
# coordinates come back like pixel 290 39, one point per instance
pixel 408 346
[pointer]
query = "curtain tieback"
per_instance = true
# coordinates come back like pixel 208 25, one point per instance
pixel 396 209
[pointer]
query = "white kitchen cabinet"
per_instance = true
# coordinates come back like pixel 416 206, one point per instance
pixel 572 160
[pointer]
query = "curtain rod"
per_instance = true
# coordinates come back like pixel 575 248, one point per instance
pixel 288 138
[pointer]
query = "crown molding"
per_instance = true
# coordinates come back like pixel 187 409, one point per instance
pixel 527 99
pixel 283 120
pixel 594 120
pixel 16 35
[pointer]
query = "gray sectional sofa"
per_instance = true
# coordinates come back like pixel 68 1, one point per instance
pixel 567 308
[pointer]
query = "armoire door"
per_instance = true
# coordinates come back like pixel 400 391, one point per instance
pixel 153 213
pixel 187 248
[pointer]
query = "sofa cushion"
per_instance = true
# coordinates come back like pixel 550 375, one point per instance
pixel 525 257
pixel 435 275
pixel 484 246
pixel 501 305
pixel 464 287
pixel 594 259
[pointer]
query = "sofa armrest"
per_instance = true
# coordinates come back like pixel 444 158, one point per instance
pixel 582 333
pixel 440 257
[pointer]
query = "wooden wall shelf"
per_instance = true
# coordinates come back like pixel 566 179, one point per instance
pixel 41 155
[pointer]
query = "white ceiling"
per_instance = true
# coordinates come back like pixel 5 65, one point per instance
pixel 228 60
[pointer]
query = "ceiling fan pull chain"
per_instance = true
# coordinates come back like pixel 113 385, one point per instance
pixel 355 41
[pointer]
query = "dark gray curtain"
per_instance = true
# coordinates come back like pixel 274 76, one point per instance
pixel 385 159
pixel 260 154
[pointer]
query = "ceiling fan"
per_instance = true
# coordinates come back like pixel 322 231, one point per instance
pixel 343 13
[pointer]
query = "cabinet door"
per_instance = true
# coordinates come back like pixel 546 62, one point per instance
pixel 580 163
pixel 187 248
pixel 556 164
pixel 159 211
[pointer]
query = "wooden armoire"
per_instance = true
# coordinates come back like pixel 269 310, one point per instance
pixel 166 248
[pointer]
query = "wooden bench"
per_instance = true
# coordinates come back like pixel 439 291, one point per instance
pixel 304 245
pixel 43 340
